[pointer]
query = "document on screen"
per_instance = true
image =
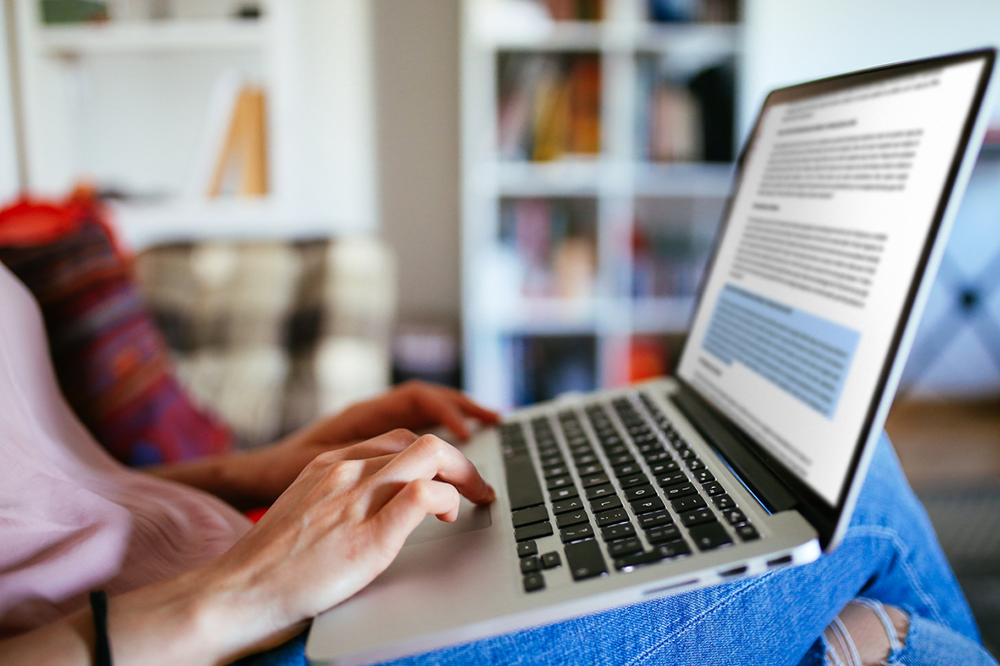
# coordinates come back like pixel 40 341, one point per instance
pixel 837 197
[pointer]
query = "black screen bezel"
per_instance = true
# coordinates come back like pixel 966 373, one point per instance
pixel 823 515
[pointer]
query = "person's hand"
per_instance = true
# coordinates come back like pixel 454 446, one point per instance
pixel 413 405
pixel 250 479
pixel 338 526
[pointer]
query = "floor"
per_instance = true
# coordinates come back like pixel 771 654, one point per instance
pixel 950 452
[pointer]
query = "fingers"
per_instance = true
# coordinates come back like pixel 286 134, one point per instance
pixel 432 458
pixel 474 409
pixel 392 442
pixel 443 411
pixel 408 507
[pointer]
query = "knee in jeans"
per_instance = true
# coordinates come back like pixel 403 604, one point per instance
pixel 866 633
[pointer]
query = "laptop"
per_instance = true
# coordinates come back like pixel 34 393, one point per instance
pixel 751 457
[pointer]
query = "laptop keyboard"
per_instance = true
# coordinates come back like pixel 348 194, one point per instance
pixel 632 484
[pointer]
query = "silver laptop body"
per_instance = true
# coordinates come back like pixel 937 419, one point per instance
pixel 752 458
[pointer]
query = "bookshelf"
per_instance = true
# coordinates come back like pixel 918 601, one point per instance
pixel 596 161
pixel 138 104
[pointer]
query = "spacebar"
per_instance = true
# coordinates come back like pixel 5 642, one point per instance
pixel 522 483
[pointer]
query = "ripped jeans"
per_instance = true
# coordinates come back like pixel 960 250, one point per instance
pixel 890 554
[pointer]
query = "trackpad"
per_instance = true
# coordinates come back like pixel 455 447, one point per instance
pixel 471 517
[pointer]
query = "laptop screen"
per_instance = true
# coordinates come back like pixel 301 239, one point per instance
pixel 839 192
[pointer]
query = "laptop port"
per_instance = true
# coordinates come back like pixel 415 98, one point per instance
pixel 779 562
pixel 738 571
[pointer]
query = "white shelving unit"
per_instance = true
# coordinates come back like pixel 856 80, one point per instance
pixel 494 310
pixel 128 104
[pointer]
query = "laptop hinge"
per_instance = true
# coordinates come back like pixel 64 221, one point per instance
pixel 761 481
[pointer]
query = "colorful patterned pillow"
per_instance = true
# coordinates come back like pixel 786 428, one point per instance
pixel 111 361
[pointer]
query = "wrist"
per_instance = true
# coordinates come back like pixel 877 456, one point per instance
pixel 206 616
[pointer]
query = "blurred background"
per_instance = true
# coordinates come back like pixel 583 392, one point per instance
pixel 513 196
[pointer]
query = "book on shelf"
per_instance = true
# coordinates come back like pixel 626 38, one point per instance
pixel 684 116
pixel 550 106
pixel 555 244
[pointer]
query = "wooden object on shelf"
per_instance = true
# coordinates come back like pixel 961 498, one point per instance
pixel 244 154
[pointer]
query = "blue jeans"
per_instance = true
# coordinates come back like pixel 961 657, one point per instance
pixel 890 553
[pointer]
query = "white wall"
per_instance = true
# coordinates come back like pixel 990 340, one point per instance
pixel 789 41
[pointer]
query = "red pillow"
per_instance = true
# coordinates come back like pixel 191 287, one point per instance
pixel 111 361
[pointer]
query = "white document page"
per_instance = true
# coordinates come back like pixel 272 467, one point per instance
pixel 823 239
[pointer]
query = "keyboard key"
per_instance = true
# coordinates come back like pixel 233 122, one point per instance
pixel 714 488
pixel 634 480
pixel 747 532
pixel 624 547
pixel 615 532
pixel 620 459
pixel 530 564
pixel 697 517
pixel 656 456
pixel 595 480
pixel 656 554
pixel 522 483
pixel 655 519
pixel 672 479
pixel 563 493
pixel 734 516
pixel 679 491
pixel 724 502
pixel 605 503
pixel 558 482
pixel 647 505
pixel 688 503
pixel 550 461
pixel 664 534
pixel 593 468
pixel 628 469
pixel 687 454
pixel 664 467
pixel 551 560
pixel 694 464
pixel 639 493
pixel 612 517
pixel 536 531
pixel 585 459
pixel 527 548
pixel 576 533
pixel 703 476
pixel 595 492
pixel 709 537
pixel 572 518
pixel 585 560
pixel 555 470
pixel 534 582
pixel 572 504
pixel 614 450
pixel 535 514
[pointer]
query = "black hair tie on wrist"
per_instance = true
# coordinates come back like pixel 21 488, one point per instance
pixel 99 609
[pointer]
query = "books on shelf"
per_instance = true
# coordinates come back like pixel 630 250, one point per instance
pixel 684 116
pixel 666 263
pixel 550 106
pixel 575 10
pixel 706 11
pixel 554 241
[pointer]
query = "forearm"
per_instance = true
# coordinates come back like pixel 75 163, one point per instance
pixel 182 621
pixel 233 478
